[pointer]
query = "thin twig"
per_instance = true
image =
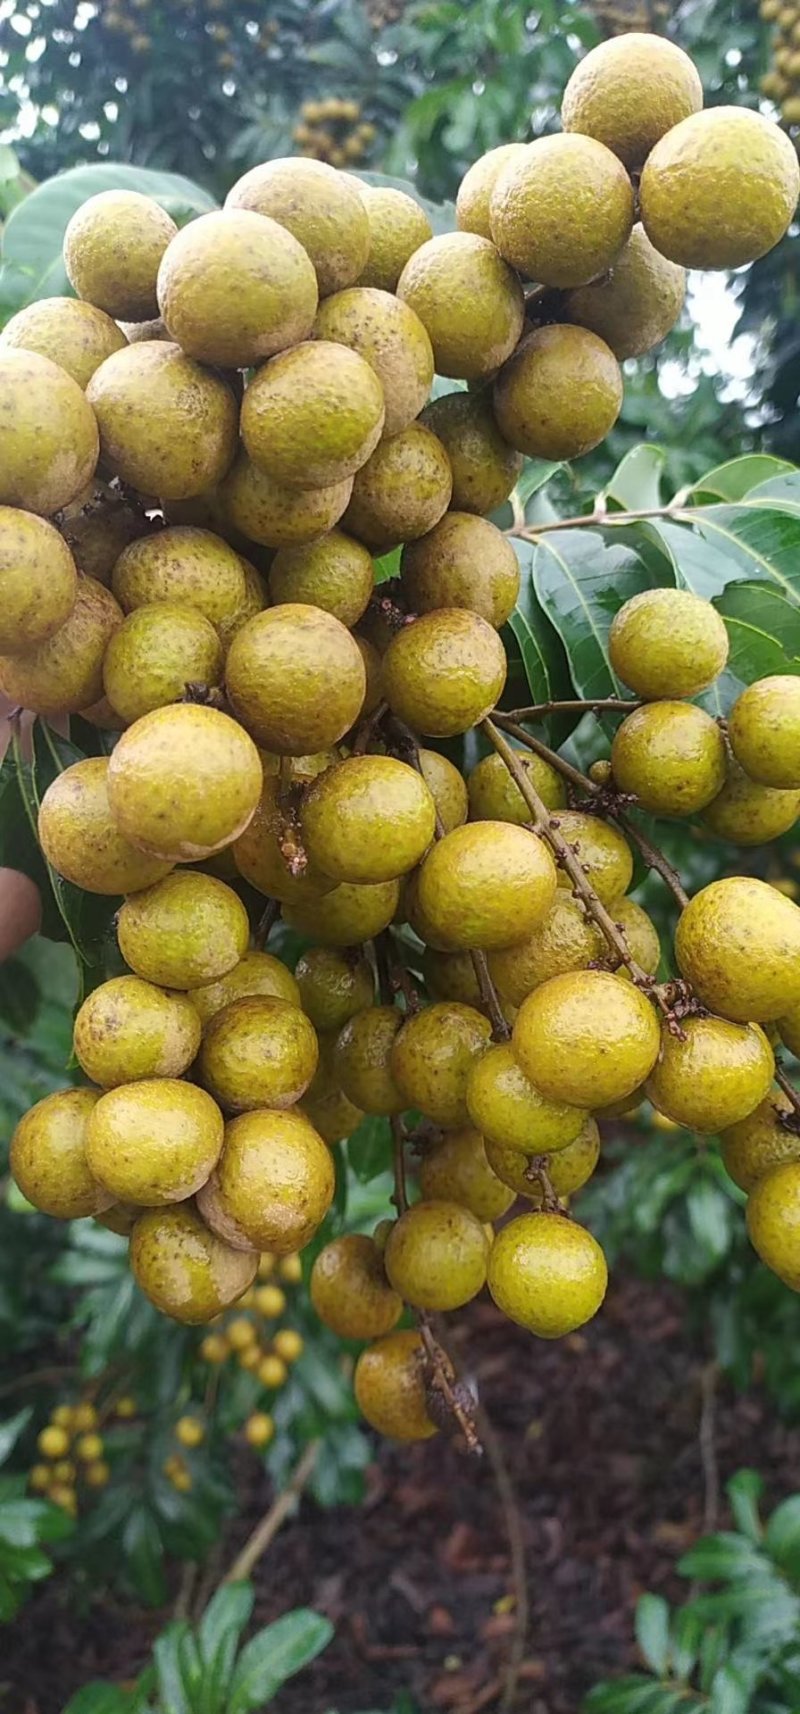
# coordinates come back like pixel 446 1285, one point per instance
pixel 266 922
pixel 654 858
pixel 186 1587
pixel 37 1378
pixel 490 998
pixel 516 1544
pixel 400 1196
pixel 708 1445
pixel 574 705
pixel 788 1088
pixel 538 748
pixel 265 1532
pixel 446 1395
pixel 600 519
pixel 368 728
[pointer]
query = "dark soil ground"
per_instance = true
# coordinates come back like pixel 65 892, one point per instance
pixel 612 1439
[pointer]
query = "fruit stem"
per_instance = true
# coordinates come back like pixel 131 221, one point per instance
pixel 442 1379
pixel 266 922
pixel 368 728
pixel 489 996
pixel 575 705
pixel 600 517
pixel 400 1197
pixel 788 1088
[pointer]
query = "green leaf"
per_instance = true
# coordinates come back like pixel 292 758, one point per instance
pixel 369 1149
pixel 764 631
pixel 730 1694
pixel 762 544
pixel 274 1656
pixel 34 233
pixel 141 1545
pixel 782 1535
pixel 541 649
pixel 581 581
pixel 535 475
pixel 738 477
pixel 172 1693
pixel 98 1699
pixel 636 482
pixel 219 1634
pixel 721 1556
pixel 10 1431
pixel 686 1634
pixel 652 1632
pixel 19 997
pixel 710 1214
pixel 87 917
pixel 744 1492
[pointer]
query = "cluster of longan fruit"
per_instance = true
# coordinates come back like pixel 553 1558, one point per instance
pixel 782 82
pixel 332 130
pixel 73 1465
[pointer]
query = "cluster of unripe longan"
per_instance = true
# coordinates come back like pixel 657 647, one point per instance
pixel 73 1465
pixel 782 82
pixel 270 716
pixel 332 130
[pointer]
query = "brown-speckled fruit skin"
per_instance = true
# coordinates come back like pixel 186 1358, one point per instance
pixel 362 1060
pixel 389 1386
pixel 397 227
pixel 346 915
pixel 738 944
pixel 259 857
pixel 97 525
pixel 486 885
pixel 773 1221
pixel 401 491
pixel 641 935
pixel 333 986
pixel 256 973
pixel 494 795
pixel 564 940
pixel 258 1052
pixel 187 930
pixel 167 426
pixel 370 819
pixel 274 1183
pixel 435 1256
pixel 760 1142
pixel 463 561
pixel 586 1037
pixel 445 672
pixel 64 673
pixel 747 813
pixel 72 334
pixel 325 1103
pixel 80 837
pixel 182 563
pixel 484 467
pixel 154 1142
pixel 184 781
pixel 562 212
pixel 391 338
pixel 506 1108
pixel 48 434
pixel 671 755
pixel 349 1289
pixel 432 1057
pixel 48 1156
pixel 313 415
pixel 320 206
pixel 603 851
pixel 128 1029
pixel 184 1269
pixel 295 679
pixel 469 300
pixel 717 1074
pixel 764 730
pixel 456 1169
pixel 335 573
pixel 629 91
pixel 568 1169
pixel 38 580
pixel 475 189
pixel 560 393
pixel 720 189
pixel 272 513
pixel 635 306
pixel 112 249
pixel 667 642
pixel 235 288
pixel 157 652
pixel 547 1274
pixel 447 787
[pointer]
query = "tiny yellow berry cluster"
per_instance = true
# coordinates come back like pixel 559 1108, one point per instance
pixel 72 1456
pixel 190 1433
pixel 782 82
pixel 263 1351
pixel 333 131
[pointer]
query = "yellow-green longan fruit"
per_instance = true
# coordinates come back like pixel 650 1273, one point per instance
pixel 333 986
pixel 445 672
pixel 362 1058
pixel 128 1029
pixel 184 1269
pixel 671 756
pixel 586 1038
pixel 153 1142
pixel 712 1075
pixel 485 885
pixel 495 796
pixel 258 1052
pixel 369 819
pixel 756 1144
pixel 432 1056
pixel 567 1170
pixel 389 1384
pixel 764 730
pixel 257 973
pixel 273 1185
pixel 738 944
pixel 187 930
pixel 349 1289
pixel 38 580
pixel 667 643
pixel 748 813
pixel 435 1256
pixel 602 851
pixel 507 1109
pixel 564 940
pixel 456 1169
pixel 184 781
pixel 81 839
pixel 157 653
pixel 48 1158
pixel 773 1222
pixel 547 1274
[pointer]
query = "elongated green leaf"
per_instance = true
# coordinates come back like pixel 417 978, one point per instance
pixel 730 1692
pixel 738 477
pixel 19 997
pixel 744 1492
pixel 87 917
pixel 782 1537
pixel 541 650
pixel 698 563
pixel 761 543
pixel 652 1632
pixel 764 630
pixel 11 1430
pixel 274 1656
pixel 225 1616
pixel 535 475
pixel 144 1555
pixel 782 491
pixel 636 482
pixel 172 1691
pixel 581 581
pixel 369 1149
pixel 98 1699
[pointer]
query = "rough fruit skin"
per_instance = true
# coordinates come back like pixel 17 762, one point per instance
pixel 445 672
pixel 641 936
pixel 738 944
pixel 80 836
pixel 64 674
pixel 258 1052
pixel 127 1030
pixel 506 1108
pixel 485 885
pixel 667 643
pixel 319 206
pixel 562 211
pixel 432 1057
pixel 629 91
pixel 773 1222
pixel 275 515
pixel 369 819
pixel 48 1156
pixel 183 1268
pixel 560 393
pixel 756 1144
pixel 391 338
pixel 325 1103
pixel 476 187
pixel 764 730
pixel 258 853
pixel 789 1029
pixel 97 525
pixel 719 189
pixel 313 415
pixel 484 467
pixel 748 813
pixel 435 1256
pixel 167 426
pixel 447 788
pixel 713 1077
pixel 274 1183
pixel 155 654
pixel 564 940
pixel 184 781
pixel 346 915
pixel 257 973
pixel 48 434
pixel 672 756
pixel 389 1384
pixel 456 1169
pixel 332 986
pixel 601 849
pixel 567 1170
pixel 187 930
pixel 397 227
pixel 72 334
pixel 295 679
pixel 235 288
pixel 463 561
pixel 335 573
pixel 349 1289
pixel 38 580
pixel 112 249
pixel 402 490
pixel 635 306
pixel 362 1060
pixel 469 300
pixel 586 1037
pixel 495 796
pixel 153 1142
pixel 182 564
pixel 547 1274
